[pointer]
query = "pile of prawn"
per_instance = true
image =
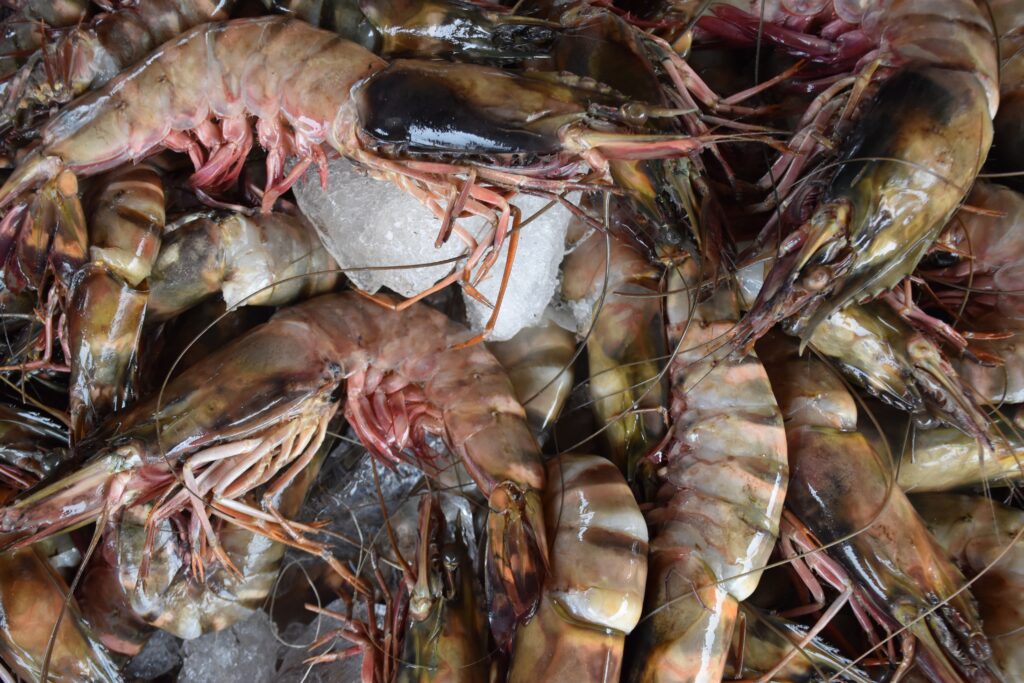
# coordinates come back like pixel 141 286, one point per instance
pixel 768 428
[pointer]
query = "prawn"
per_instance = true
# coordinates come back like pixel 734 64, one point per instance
pixel 710 536
pixel 840 488
pixel 594 591
pixel 1009 131
pixel 32 445
pixel 943 459
pixel 32 599
pixel 434 28
pixel 982 248
pixel 107 300
pixel 625 339
pixel 538 362
pixel 173 595
pixel 976 531
pixel 922 135
pixel 88 55
pixel 265 260
pixel 256 411
pixel 307 87
pixel 764 639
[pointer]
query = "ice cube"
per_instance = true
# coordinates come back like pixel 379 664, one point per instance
pixel 243 653
pixel 372 223
pixel 534 276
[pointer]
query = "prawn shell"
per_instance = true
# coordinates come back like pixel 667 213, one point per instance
pixel 463 109
pixel 598 543
pixel 32 596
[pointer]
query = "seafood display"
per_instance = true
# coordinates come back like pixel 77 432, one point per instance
pixel 768 427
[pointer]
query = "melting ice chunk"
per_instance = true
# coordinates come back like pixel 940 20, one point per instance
pixel 243 653
pixel 371 223
pixel 534 274
pixel 367 223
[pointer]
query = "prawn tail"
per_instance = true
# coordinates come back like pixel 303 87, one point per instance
pixel 516 558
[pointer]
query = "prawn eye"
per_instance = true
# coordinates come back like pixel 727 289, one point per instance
pixel 634 113
pixel 816 279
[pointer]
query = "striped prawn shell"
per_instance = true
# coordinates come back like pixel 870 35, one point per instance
pixel 598 543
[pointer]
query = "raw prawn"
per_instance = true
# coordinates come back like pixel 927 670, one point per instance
pixel 840 488
pixel 975 531
pixel 625 340
pixel 944 459
pixel 921 138
pixel 721 479
pixel 265 260
pixel 31 600
pixel 1008 149
pixel 537 361
pixel 594 591
pixel 306 87
pixel 256 412
pixel 107 298
pixel 88 55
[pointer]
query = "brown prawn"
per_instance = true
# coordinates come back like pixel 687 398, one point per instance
pixel 32 599
pixel 255 413
pixel 199 92
pixel 88 55
pixel 842 490
pixel 924 128
pixel 594 592
pixel 625 340
pixel 720 481
pixel 984 538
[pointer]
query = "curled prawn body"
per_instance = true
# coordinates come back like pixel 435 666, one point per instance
pixel 924 130
pixel 721 484
pixel 255 413
pixel 895 190
pixel 594 592
pixel 840 488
